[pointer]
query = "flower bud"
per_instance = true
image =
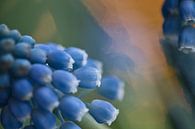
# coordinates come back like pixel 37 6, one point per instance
pixel 15 35
pixel 4 80
pixel 46 98
pixel 41 74
pixel 60 60
pixel 4 95
pixel 95 64
pixel 22 50
pixel 103 111
pixel 8 120
pixel 20 109
pixel 78 55
pixel 22 89
pixel 43 119
pixel 187 10
pixel 6 62
pixel 65 81
pixel 187 40
pixel 72 108
pixel 7 45
pixel 28 40
pixel 38 56
pixel 21 67
pixel 49 47
pixel 89 77
pixel 112 88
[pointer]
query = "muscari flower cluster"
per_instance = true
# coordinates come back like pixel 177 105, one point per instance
pixel 179 21
pixel 39 82
pixel 179 42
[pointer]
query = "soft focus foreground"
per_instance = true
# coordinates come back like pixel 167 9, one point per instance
pixel 125 35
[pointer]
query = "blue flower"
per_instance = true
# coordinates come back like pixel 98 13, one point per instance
pixel 39 84
pixel 65 81
pixel 46 98
pixel 187 10
pixel 21 67
pixel 112 88
pixel 38 56
pixel 4 95
pixel 170 7
pixel 22 89
pixel 49 47
pixel 6 62
pixel 4 80
pixel 43 119
pixel 40 74
pixel 89 77
pixel 60 60
pixel 95 64
pixel 187 39
pixel 78 55
pixel 103 111
pixel 28 40
pixel 8 120
pixel 7 45
pixel 76 108
pixel 20 109
pixel 15 35
pixel 69 125
pixel 171 27
pixel 22 50
pixel 4 30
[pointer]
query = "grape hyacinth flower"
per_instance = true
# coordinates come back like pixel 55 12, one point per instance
pixel 112 88
pixel 187 10
pixel 21 67
pixel 6 62
pixel 7 45
pixel 40 74
pixel 8 120
pixel 15 35
pixel 89 77
pixel 46 98
pixel 170 7
pixel 49 47
pixel 68 84
pixel 43 119
pixel 78 55
pixel 4 80
pixel 187 39
pixel 38 56
pixel 171 27
pixel 28 40
pixel 22 50
pixel 20 109
pixel 42 85
pixel 22 89
pixel 4 95
pixel 103 111
pixel 4 30
pixel 181 52
pixel 76 108
pixel 95 64
pixel 60 60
